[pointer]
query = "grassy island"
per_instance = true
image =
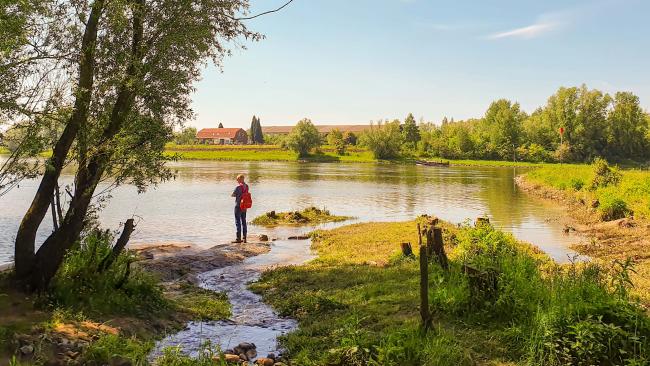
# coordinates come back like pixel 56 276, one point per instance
pixel 309 216
pixel 357 303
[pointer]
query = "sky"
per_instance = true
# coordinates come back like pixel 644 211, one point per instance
pixel 356 61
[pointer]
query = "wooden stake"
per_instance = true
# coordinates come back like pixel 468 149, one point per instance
pixel 407 250
pixel 439 248
pixel 424 289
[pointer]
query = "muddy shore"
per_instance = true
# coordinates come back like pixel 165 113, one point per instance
pixel 608 242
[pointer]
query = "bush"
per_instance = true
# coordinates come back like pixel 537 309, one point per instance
pixel 303 138
pixel 384 140
pixel 603 175
pixel 79 285
pixel 335 138
pixel 612 207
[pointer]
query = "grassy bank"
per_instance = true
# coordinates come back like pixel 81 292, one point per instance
pixel 308 216
pixel 628 195
pixel 357 304
pixel 263 153
pixel 93 317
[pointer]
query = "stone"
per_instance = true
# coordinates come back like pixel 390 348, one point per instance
pixel 251 354
pixel 229 358
pixel 264 237
pixel 27 349
pixel 147 255
pixel 246 346
pixel 72 354
pixel 264 361
pixel 243 357
pixel 279 364
pixel 595 204
pixel 229 352
pixel 271 356
pixel 299 237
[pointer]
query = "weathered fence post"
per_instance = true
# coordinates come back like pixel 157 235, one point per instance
pixel 424 284
pixel 407 250
pixel 439 248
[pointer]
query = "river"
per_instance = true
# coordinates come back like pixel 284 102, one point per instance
pixel 196 208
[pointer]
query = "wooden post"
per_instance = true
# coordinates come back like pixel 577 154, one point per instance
pixel 424 289
pixel 439 248
pixel 482 221
pixel 407 250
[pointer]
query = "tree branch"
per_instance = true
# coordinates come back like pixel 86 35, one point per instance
pixel 264 13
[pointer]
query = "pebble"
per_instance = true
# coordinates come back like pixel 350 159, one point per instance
pixel 251 354
pixel 264 361
pixel 264 237
pixel 27 349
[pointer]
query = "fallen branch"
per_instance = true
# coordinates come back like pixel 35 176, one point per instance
pixel 129 226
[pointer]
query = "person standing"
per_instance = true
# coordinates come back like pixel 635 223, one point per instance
pixel 240 213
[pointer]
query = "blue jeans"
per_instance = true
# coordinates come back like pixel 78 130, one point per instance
pixel 240 221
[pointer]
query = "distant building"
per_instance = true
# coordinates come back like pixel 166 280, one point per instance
pixel 222 136
pixel 323 129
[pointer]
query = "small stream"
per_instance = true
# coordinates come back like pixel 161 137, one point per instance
pixel 252 320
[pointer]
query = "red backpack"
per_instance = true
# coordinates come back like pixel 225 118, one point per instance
pixel 246 199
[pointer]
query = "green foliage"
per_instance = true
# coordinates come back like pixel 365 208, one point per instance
pixel 256 134
pixel 174 356
pixel 612 206
pixel 309 216
pixel 384 140
pixel 109 347
pixel 603 175
pixel 202 304
pixel 335 138
pixel 350 138
pixel 79 285
pixel 186 137
pixel 303 137
pixel 353 312
pixel 410 130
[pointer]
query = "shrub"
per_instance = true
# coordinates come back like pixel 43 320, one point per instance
pixel 576 184
pixel 603 175
pixel 303 138
pixel 611 206
pixel 79 285
pixel 384 140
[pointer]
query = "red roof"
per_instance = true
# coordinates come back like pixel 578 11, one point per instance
pixel 218 133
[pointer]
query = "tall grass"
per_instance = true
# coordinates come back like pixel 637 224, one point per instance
pixel 500 301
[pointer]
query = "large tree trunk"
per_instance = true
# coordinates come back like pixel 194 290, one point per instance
pixel 24 256
pixel 50 256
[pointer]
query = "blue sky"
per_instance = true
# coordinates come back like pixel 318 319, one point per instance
pixel 353 61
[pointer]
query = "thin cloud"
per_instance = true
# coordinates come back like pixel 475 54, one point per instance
pixel 545 24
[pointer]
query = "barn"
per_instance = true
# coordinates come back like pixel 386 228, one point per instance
pixel 222 136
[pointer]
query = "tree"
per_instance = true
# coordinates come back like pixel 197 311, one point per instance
pixel 384 140
pixel 335 138
pixel 256 135
pixel 303 137
pixel 410 131
pixel 628 128
pixel 187 136
pixel 503 123
pixel 132 67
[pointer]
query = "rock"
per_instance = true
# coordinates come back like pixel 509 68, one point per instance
pixel 271 356
pixel 245 346
pixel 251 354
pixel 147 255
pixel 299 237
pixel 243 357
pixel 279 364
pixel 229 352
pixel 72 354
pixel 264 361
pixel 264 237
pixel 595 204
pixel 229 358
pixel 27 349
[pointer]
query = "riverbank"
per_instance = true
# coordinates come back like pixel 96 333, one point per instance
pixel 615 219
pixel 161 297
pixel 357 303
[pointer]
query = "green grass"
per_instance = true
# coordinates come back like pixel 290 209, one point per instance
pixel 630 196
pixel 308 216
pixel 4 150
pixel 357 304
pixel 202 304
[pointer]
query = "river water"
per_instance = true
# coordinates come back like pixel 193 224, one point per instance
pixel 196 208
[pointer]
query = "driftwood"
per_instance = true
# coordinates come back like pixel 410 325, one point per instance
pixel 407 250
pixel 129 226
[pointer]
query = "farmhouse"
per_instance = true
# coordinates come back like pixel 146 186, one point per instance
pixel 222 136
pixel 323 129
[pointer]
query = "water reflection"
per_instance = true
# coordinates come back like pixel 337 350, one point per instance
pixel 196 207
